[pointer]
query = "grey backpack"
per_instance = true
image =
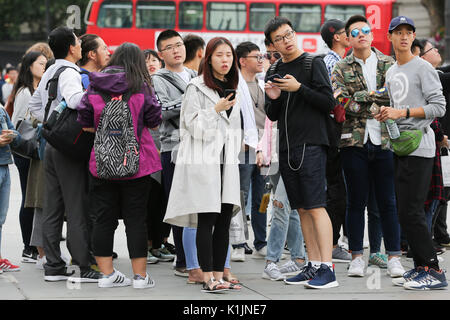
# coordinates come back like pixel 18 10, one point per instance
pixel 115 145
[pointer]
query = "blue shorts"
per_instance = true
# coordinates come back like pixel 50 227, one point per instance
pixel 305 187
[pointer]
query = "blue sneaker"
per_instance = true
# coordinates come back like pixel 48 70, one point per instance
pixel 407 276
pixel 427 279
pixel 307 273
pixel 324 279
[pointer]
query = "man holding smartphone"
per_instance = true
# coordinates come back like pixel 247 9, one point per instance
pixel 250 62
pixel 301 102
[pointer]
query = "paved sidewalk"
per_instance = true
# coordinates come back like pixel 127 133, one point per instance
pixel 28 284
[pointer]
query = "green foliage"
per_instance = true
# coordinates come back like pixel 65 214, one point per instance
pixel 14 13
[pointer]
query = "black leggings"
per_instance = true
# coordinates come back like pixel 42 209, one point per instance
pixel 212 246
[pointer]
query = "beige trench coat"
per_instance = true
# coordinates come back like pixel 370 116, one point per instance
pixel 197 186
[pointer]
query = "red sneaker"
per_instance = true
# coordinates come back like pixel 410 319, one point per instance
pixel 7 266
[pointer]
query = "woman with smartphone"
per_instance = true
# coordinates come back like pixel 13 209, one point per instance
pixel 205 191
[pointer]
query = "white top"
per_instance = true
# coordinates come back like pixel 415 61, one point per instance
pixel 23 96
pixel 373 127
pixel 69 89
pixel 184 75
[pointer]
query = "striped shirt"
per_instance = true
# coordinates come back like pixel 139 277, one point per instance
pixel 330 60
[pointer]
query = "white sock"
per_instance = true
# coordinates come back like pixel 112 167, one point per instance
pixel 316 264
pixel 329 265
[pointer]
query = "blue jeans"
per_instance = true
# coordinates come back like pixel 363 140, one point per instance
pixel 285 226
pixel 190 249
pixel 5 188
pixel 250 173
pixel 373 223
pixel 361 167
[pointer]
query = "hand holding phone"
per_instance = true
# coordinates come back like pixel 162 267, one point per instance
pixel 228 92
pixel 273 77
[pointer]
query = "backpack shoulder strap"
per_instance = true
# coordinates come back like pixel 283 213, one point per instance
pixel 170 81
pixel 273 68
pixel 52 88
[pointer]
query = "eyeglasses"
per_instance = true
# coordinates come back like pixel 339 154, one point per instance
pixel 259 58
pixel 432 48
pixel 364 30
pixel 270 54
pixel 340 32
pixel 288 36
pixel 172 47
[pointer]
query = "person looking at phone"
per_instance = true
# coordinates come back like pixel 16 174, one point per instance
pixel 250 62
pixel 205 190
pixel 301 102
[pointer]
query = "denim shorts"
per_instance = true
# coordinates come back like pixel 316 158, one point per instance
pixel 305 187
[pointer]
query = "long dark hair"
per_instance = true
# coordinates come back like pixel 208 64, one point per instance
pixel 232 76
pixel 131 58
pixel 25 78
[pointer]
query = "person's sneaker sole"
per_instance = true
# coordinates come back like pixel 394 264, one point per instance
pixel 295 283
pixel 440 287
pixel 333 284
pixel 340 260
pixel 28 260
pixel 267 277
pixel 56 278
pixel 394 275
pixel 82 280
pixel 355 275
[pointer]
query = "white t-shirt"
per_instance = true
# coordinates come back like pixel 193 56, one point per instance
pixel 373 127
pixel 184 75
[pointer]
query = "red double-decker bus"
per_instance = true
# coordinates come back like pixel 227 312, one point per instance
pixel 140 21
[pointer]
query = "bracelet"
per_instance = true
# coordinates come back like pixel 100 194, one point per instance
pixel 407 113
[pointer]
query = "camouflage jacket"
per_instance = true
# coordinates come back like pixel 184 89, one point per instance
pixel 349 85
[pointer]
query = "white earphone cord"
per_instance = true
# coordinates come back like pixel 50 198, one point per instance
pixel 287 138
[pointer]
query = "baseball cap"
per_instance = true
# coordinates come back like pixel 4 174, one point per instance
pixel 399 21
pixel 329 29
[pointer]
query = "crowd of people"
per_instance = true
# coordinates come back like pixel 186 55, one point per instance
pixel 188 135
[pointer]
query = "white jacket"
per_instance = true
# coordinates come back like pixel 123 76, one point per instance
pixel 197 185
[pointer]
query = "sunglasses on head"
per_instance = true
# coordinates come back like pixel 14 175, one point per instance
pixel 355 32
pixel 271 54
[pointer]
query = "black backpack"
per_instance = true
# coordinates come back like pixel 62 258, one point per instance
pixel 62 130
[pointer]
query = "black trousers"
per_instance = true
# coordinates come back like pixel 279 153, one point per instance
pixel 440 222
pixel 336 192
pixel 132 197
pixel 213 238
pixel 412 181
pixel 156 209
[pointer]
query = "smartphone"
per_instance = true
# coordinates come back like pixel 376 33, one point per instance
pixel 11 135
pixel 228 92
pixel 272 78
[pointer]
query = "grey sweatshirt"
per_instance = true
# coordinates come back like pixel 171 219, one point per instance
pixel 416 84
pixel 170 98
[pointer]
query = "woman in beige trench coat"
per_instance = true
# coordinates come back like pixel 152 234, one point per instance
pixel 205 191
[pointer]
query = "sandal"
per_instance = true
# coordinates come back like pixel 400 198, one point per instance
pixel 194 282
pixel 230 285
pixel 210 288
pixel 231 279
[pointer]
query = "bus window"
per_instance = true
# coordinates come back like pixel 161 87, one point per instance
pixel 260 13
pixel 304 18
pixel 155 14
pixel 343 12
pixel 191 15
pixel 115 14
pixel 226 16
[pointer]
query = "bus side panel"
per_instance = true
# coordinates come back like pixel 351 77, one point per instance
pixel 379 16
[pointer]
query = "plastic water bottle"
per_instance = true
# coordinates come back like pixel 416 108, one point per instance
pixel 61 106
pixel 392 129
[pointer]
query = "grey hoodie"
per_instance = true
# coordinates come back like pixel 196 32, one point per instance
pixel 416 84
pixel 170 98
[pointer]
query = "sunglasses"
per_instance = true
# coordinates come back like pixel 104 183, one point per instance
pixel 355 32
pixel 270 54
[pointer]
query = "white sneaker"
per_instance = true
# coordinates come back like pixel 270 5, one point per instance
pixel 140 283
pixel 291 268
pixel 117 279
pixel 395 268
pixel 40 262
pixel 238 255
pixel 272 272
pixel 260 254
pixel 356 267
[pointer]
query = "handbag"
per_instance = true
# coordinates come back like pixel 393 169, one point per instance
pixel 62 129
pixel 445 165
pixel 28 146
pixel 407 143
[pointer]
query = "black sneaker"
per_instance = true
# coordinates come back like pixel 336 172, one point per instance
pixel 61 275
pixel 29 255
pixel 248 250
pixel 170 247
pixel 86 275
